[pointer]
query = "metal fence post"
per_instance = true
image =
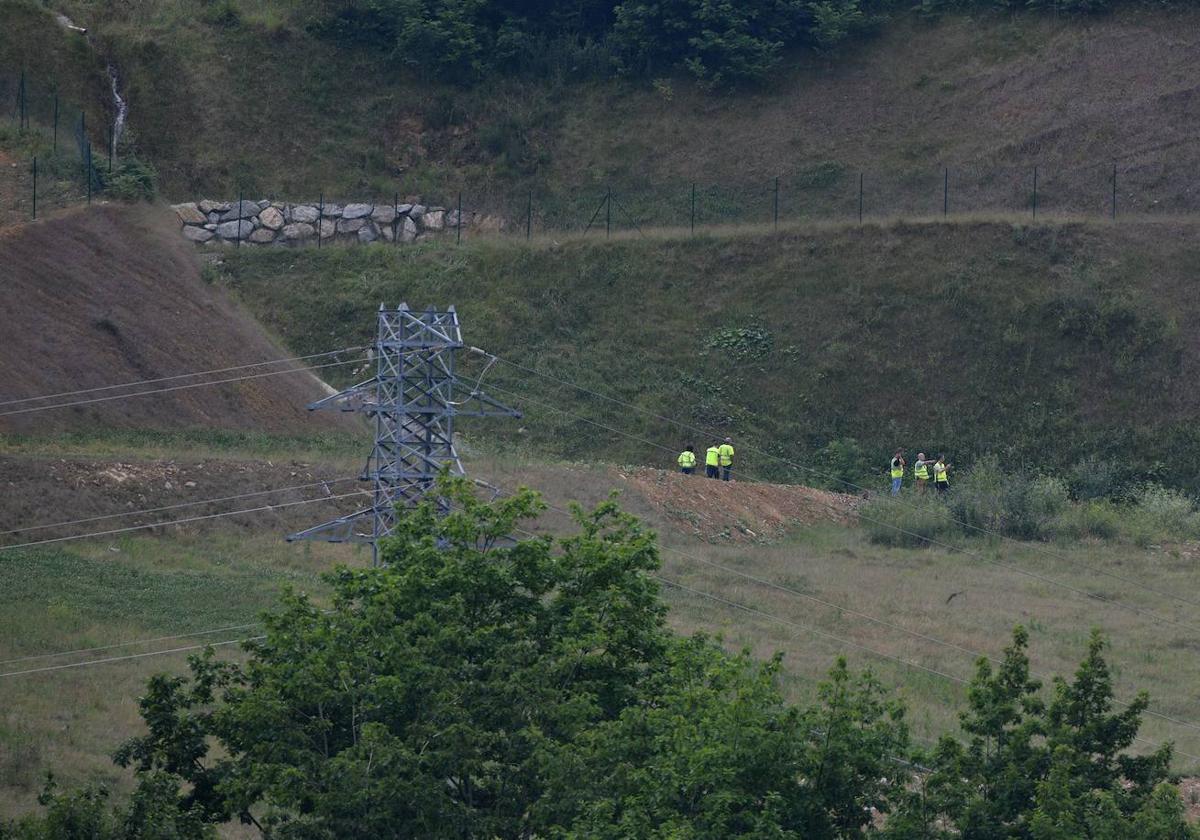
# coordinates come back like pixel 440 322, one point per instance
pixel 458 227
pixel 397 226
pixel 35 189
pixel 946 191
pixel 1035 193
pixel 21 102
pixel 320 218
pixel 529 218
pixel 238 220
pixel 56 123
pixel 860 197
pixel 777 203
pixel 608 213
pixel 1114 191
pixel 87 170
pixel 112 141
pixel 693 207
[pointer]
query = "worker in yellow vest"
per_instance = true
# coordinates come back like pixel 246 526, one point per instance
pixel 897 471
pixel 687 460
pixel 940 479
pixel 921 472
pixel 725 455
pixel 712 457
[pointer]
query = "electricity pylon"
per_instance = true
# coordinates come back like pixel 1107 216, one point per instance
pixel 413 399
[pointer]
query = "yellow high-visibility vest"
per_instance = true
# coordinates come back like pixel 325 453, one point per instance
pixel 939 473
pixel 922 470
pixel 897 471
pixel 687 459
pixel 712 456
pixel 725 451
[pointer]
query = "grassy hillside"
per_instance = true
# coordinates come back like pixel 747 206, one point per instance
pixel 237 93
pixel 1046 345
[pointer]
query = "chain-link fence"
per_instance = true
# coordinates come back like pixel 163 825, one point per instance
pixel 822 193
pixel 52 155
pixel 48 159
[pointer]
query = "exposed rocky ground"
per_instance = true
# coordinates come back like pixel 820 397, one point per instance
pixel 267 222
pixel 737 511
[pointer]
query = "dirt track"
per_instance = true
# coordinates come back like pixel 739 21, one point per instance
pixel 113 294
pixel 41 491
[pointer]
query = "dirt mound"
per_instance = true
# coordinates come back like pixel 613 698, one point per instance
pixel 42 491
pixel 113 295
pixel 737 510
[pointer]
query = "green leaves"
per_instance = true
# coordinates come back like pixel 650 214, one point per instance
pixel 1044 772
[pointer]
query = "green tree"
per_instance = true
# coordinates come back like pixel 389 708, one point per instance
pixel 714 752
pixel 480 687
pixel 423 700
pixel 1043 772
pixel 154 812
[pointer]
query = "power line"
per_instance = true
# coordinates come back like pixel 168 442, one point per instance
pixel 857 487
pixel 195 503
pixel 1152 616
pixel 179 521
pixel 177 388
pixel 126 657
pixel 868 617
pixel 129 644
pixel 180 376
pixel 840 639
pixel 683 587
pixel 808 629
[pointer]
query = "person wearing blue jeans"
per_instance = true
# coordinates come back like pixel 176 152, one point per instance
pixel 897 470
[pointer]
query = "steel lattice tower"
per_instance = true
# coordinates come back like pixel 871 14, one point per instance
pixel 413 400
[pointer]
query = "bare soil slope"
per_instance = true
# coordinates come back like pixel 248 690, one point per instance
pixel 113 295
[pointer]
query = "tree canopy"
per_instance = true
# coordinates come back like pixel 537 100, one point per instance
pixel 718 42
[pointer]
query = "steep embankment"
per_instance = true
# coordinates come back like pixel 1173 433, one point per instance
pixel 1047 345
pixel 988 94
pixel 112 295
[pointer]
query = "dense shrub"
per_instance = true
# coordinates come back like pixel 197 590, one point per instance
pixel 1097 519
pixel 132 180
pixel 1097 478
pixel 1160 513
pixel 991 498
pixel 912 521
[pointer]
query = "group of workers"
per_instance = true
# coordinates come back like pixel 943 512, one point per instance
pixel 924 469
pixel 718 463
pixel 718 460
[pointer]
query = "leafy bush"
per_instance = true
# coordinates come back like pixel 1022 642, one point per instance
pixel 753 342
pixel 842 464
pixel 132 180
pixel 1160 513
pixel 1096 478
pixel 1033 506
pixel 1098 519
pixel 913 521
pixel 992 498
pixel 222 13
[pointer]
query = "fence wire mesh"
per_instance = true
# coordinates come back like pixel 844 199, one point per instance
pixel 52 157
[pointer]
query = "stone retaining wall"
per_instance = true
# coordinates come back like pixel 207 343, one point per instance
pixel 215 223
